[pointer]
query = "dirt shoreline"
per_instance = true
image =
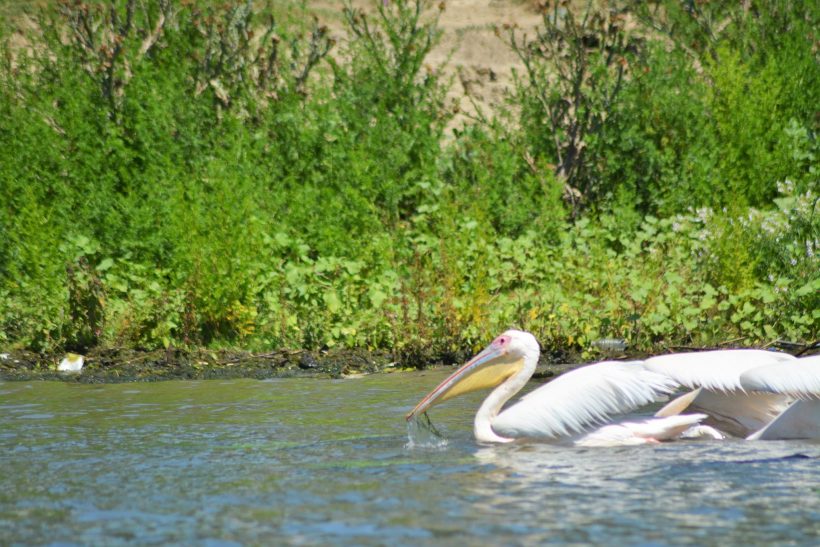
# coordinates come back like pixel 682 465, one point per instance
pixel 128 365
pixel 120 365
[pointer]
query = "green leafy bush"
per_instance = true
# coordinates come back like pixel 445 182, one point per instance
pixel 201 175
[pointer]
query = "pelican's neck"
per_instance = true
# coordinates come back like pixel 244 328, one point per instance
pixel 492 405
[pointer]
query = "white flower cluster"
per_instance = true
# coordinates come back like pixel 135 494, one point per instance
pixel 787 236
pixel 785 187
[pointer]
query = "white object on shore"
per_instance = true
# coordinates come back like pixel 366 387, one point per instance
pixel 72 362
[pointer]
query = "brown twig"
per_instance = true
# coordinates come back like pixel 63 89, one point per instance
pixel 153 36
pixel 575 69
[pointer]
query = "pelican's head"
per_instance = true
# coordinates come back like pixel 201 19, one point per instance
pixel 504 357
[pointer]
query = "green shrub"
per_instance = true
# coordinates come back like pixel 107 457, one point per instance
pixel 721 117
pixel 226 181
pixel 574 72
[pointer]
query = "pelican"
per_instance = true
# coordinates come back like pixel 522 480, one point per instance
pixel 576 408
pixel 753 394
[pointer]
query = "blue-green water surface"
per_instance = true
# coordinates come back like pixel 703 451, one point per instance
pixel 327 462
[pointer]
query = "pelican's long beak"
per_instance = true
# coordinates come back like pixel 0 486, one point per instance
pixel 487 369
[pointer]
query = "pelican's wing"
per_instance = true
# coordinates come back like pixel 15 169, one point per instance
pixel 639 432
pixel 718 370
pixel 800 421
pixel 734 412
pixel 799 378
pixel 581 398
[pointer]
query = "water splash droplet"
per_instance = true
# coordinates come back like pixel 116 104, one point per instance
pixel 421 433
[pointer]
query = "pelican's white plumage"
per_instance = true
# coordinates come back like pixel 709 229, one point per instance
pixel 581 398
pixel 633 432
pixel 562 410
pixel 748 393
pixel 718 370
pixel 800 421
pixel 799 378
pixel 734 412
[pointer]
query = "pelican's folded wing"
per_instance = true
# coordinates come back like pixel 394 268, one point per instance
pixel 581 398
pixel 799 378
pixel 639 431
pixel 735 412
pixel 800 421
pixel 718 370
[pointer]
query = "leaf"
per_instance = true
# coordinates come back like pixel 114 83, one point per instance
pixel 673 277
pixel 353 266
pixel 83 242
pixel 707 302
pixel 281 239
pixel 808 288
pixel 292 274
pixel 377 296
pixel 105 264
pixel 332 301
pixel 767 295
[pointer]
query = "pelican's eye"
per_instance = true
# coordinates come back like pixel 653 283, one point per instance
pixel 501 341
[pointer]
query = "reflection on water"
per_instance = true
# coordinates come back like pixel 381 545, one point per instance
pixel 326 462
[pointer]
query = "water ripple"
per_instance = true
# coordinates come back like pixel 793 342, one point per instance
pixel 326 462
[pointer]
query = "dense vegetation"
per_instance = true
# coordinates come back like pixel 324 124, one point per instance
pixel 173 174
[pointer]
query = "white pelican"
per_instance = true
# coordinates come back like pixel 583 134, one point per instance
pixel 759 395
pixel 567 408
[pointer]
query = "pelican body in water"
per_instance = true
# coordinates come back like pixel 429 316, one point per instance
pixel 750 393
pixel 577 407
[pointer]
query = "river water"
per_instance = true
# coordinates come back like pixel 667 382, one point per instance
pixel 327 462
